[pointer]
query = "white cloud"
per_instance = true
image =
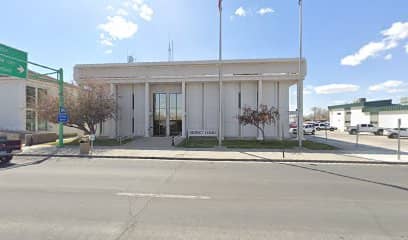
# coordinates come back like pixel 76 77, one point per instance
pixel 308 90
pixel 388 57
pixel 106 42
pixel 390 86
pixel 109 51
pixel 240 12
pixel 109 8
pixel 143 9
pixel 146 12
pixel 264 11
pixel 336 88
pixel 122 12
pixel 391 38
pixel 118 28
pixel 406 48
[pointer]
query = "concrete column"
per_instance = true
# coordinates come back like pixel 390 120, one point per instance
pixel 259 104
pixel 167 114
pixel 114 122
pixel 147 109
pixel 183 109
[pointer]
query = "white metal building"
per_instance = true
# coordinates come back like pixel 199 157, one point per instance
pixel 173 98
pixel 18 101
pixel 382 113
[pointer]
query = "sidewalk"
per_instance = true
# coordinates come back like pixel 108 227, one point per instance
pixel 217 155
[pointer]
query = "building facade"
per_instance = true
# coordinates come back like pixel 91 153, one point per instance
pixel 19 99
pixel 382 113
pixel 174 98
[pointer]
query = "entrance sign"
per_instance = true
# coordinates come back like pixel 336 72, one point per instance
pixel 202 133
pixel 13 62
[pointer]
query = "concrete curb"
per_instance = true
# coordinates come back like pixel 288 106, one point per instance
pixel 265 160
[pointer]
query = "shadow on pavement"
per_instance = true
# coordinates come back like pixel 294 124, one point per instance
pixel 11 165
pixel 347 176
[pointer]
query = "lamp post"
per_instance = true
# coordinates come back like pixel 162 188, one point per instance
pixel 300 80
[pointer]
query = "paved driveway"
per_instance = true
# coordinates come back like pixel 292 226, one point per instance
pixel 364 140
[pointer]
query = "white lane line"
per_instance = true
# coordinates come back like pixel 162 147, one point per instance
pixel 160 195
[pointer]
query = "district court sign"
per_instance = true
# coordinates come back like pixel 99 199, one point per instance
pixel 13 62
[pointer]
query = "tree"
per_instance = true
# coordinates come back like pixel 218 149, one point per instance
pixel 86 107
pixel 317 114
pixel 259 117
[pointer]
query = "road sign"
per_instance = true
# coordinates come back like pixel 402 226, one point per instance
pixel 62 110
pixel 13 62
pixel 63 117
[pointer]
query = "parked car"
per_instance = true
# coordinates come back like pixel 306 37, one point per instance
pixel 328 127
pixel 7 147
pixel 307 129
pixel 365 128
pixel 393 132
pixel 324 126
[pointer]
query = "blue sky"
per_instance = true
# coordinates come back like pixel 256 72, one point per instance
pixel 350 53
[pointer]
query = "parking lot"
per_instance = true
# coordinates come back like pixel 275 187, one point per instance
pixel 366 141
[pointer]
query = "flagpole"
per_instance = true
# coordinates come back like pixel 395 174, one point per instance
pixel 220 78
pixel 300 80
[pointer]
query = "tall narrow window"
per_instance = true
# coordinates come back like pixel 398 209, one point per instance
pixel 239 100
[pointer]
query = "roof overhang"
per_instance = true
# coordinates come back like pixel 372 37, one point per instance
pixel 233 70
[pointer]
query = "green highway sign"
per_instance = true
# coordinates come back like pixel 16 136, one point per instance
pixel 13 62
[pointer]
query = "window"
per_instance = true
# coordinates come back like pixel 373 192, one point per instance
pixel 30 97
pixel 30 120
pixel 239 100
pixel 338 113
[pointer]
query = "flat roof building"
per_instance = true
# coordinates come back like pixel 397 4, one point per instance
pixel 174 98
pixel 381 113
pixel 19 103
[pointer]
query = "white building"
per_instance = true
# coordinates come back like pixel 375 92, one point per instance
pixel 382 113
pixel 173 98
pixel 18 101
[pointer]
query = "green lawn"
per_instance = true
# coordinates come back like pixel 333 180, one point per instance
pixel 268 144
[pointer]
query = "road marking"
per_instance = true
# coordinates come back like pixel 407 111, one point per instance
pixel 160 195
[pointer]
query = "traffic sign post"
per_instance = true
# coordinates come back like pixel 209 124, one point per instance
pixel 60 77
pixel 13 62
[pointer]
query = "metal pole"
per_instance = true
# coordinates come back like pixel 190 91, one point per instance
pixel 399 139
pixel 220 82
pixel 60 79
pixel 300 80
pixel 357 135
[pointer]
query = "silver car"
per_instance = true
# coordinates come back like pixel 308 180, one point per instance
pixel 393 132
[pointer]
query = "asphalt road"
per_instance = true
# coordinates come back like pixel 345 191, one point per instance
pixel 138 199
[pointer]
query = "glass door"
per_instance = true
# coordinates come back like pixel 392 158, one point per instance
pixel 175 114
pixel 159 114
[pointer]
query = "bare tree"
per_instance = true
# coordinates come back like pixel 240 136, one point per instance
pixel 317 114
pixel 86 107
pixel 259 117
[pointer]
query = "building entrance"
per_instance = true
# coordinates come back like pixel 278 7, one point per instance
pixel 167 115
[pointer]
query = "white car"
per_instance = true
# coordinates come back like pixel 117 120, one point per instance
pixel 393 132
pixel 307 129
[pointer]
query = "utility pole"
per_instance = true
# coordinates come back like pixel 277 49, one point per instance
pixel 220 129
pixel 60 78
pixel 300 80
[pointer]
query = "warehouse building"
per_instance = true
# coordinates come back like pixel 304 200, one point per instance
pixel 382 113
pixel 182 97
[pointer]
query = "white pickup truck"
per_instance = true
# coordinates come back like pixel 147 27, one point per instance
pixel 365 128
